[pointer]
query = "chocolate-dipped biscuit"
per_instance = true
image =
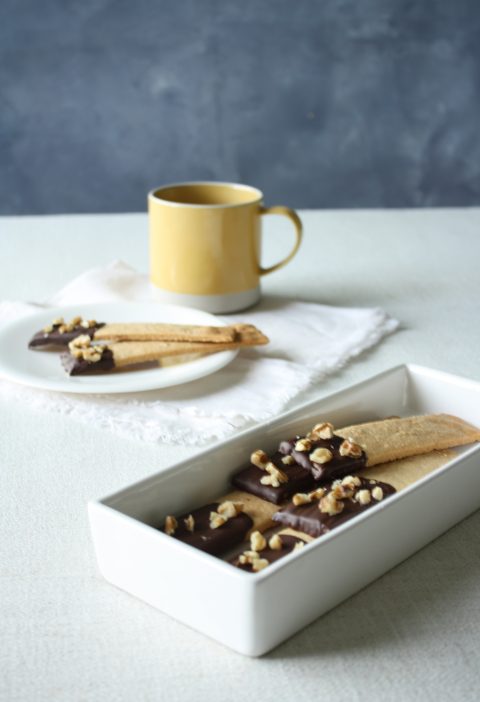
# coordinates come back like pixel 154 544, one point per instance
pixel 331 505
pixel 60 333
pixel 257 479
pixel 214 528
pixel 325 458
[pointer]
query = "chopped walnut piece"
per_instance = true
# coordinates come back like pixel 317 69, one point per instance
pixel 275 476
pixel 364 497
pixel 351 481
pixel 377 493
pixel 75 321
pixel 259 564
pixel 272 469
pixel 330 505
pixel 80 342
pixel 275 543
pixel 301 498
pixel 321 455
pixel 48 329
pixel 341 492
pixel 189 523
pixel 350 448
pixel 270 480
pixel 170 525
pixel 317 494
pixel 230 509
pixel 298 546
pixel 323 430
pixel 57 321
pixel 217 520
pixel 288 460
pixel 259 459
pixel 303 445
pixel 257 541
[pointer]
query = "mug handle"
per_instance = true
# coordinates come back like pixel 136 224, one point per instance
pixel 297 223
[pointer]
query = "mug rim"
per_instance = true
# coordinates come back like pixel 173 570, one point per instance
pixel 258 193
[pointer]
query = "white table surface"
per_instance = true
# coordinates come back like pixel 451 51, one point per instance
pixel 68 635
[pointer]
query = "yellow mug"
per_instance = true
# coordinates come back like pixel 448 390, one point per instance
pixel 205 244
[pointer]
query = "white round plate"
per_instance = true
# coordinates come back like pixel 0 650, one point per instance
pixel 43 369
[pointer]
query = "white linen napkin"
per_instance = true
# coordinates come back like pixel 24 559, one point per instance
pixel 307 341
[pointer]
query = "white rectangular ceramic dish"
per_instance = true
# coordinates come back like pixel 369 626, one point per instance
pixel 252 613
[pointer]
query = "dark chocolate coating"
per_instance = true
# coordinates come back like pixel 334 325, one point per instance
pixel 54 338
pixel 270 554
pixel 78 366
pixel 214 541
pixel 309 519
pixel 299 480
pixel 336 468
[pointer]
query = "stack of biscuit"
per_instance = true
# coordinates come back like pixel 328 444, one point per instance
pixel 99 347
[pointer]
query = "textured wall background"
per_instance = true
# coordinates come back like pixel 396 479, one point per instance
pixel 321 103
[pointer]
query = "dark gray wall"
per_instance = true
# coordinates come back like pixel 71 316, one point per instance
pixel 333 103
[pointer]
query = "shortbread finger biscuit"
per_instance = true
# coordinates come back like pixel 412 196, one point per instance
pixel 259 511
pixel 165 332
pixel 388 440
pixel 405 471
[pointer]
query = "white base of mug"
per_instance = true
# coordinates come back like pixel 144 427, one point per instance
pixel 215 304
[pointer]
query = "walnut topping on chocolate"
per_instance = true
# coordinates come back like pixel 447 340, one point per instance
pixel 275 543
pixel 318 493
pixel 323 430
pixel 351 481
pixel 275 476
pixel 377 493
pixel 189 523
pixel 303 445
pixel 298 546
pixel 340 491
pixel 301 498
pixel 288 460
pixel 321 455
pixel 259 459
pixel 259 564
pixel 225 511
pixel 257 541
pixel 171 525
pixel 252 558
pixel 230 509
pixel 350 448
pixel 82 347
pixel 330 505
pixel 60 325
pixel 217 520
pixel 364 497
